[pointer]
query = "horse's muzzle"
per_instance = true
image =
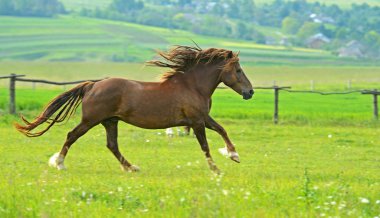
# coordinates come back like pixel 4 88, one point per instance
pixel 248 94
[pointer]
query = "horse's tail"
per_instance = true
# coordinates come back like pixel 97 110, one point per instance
pixel 66 103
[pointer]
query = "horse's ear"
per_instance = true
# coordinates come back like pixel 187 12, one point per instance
pixel 237 54
pixel 230 54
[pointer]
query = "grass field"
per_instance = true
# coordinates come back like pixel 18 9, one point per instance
pixel 321 161
pixel 78 39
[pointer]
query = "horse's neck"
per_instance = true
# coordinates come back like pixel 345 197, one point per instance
pixel 205 79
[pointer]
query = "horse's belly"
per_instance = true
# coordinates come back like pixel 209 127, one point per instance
pixel 155 121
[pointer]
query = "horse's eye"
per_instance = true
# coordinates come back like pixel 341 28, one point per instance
pixel 239 71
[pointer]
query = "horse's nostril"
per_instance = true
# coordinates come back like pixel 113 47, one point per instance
pixel 251 92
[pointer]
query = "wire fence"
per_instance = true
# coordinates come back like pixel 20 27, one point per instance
pixel 13 78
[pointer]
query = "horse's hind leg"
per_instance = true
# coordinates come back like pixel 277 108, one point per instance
pixel 57 159
pixel 111 128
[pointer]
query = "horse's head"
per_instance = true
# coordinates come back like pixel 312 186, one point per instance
pixel 233 76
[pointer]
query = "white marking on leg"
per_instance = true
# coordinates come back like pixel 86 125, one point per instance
pixel 132 168
pixel 223 151
pixel 56 161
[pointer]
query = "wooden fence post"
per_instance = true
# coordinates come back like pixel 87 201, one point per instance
pixel 276 100
pixel 375 107
pixel 375 93
pixel 275 116
pixel 12 94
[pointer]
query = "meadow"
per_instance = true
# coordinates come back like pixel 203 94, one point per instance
pixel 321 160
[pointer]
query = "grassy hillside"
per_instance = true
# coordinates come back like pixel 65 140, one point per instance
pixel 69 38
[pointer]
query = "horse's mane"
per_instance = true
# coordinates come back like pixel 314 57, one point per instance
pixel 181 58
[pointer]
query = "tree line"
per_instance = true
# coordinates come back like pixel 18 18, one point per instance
pixel 38 8
pixel 296 20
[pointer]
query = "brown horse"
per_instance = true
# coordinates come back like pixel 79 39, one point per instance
pixel 182 98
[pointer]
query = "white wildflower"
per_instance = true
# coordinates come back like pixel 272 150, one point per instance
pixel 364 200
pixel 225 192
pixel 169 132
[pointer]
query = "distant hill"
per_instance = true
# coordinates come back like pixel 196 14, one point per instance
pixel 69 38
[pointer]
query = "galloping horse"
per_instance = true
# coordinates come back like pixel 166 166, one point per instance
pixel 181 98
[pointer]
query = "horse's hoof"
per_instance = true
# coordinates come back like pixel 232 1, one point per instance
pixel 215 170
pixel 132 168
pixel 56 161
pixel 235 157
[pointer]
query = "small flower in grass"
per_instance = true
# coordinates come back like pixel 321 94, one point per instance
pixel 178 167
pixel 377 201
pixel 119 189
pixel 182 199
pixel 364 200
pixel 147 141
pixel 225 192
pixel 188 163
pixel 333 203
pixel 329 136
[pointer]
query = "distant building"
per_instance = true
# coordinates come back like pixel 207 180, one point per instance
pixel 317 41
pixel 318 18
pixel 353 49
pixel 285 42
pixel 269 40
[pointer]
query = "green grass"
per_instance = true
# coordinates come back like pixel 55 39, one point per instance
pixel 72 38
pixel 322 159
pixel 295 170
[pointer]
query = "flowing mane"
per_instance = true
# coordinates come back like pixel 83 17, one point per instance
pixel 181 58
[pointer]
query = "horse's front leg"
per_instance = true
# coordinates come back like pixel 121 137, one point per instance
pixel 231 152
pixel 200 133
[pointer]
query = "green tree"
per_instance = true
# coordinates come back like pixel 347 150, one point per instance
pixel 247 10
pixel 43 8
pixel 6 7
pixel 125 6
pixel 290 25
pixel 308 29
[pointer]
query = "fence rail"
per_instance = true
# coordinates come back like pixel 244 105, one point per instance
pixel 13 78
